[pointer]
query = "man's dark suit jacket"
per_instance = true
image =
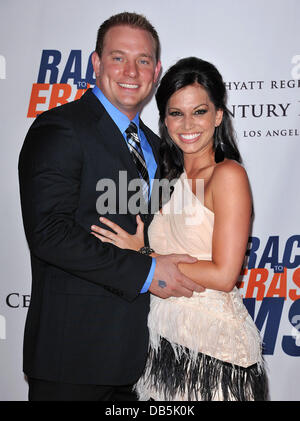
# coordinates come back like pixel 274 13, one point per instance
pixel 87 321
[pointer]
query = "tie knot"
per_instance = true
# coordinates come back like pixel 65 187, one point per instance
pixel 131 129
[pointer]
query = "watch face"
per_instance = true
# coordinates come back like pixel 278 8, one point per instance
pixel 146 250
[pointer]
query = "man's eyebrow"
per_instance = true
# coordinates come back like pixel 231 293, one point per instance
pixel 117 52
pixel 123 52
pixel 146 55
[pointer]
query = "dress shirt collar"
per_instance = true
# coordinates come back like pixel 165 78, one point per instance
pixel 120 119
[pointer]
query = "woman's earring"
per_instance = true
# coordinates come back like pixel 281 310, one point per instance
pixel 220 148
pixel 219 153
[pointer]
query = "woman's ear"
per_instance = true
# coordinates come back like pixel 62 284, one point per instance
pixel 219 117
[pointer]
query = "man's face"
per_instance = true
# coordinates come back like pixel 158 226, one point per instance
pixel 127 68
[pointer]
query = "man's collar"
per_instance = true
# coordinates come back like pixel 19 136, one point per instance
pixel 120 119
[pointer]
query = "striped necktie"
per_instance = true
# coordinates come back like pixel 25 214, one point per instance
pixel 138 157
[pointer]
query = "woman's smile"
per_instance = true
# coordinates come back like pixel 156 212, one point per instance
pixel 189 137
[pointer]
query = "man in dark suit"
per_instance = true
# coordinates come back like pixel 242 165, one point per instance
pixel 86 330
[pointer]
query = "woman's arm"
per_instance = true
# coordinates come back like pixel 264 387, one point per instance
pixel 232 206
pixel 175 283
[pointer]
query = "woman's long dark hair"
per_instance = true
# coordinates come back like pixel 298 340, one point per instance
pixel 186 72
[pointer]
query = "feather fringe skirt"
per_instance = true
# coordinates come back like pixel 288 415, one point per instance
pixel 169 376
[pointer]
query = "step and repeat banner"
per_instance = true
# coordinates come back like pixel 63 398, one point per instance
pixel 45 51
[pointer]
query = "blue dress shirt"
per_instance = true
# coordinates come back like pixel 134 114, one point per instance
pixel 122 122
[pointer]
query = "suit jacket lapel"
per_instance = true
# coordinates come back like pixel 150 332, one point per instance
pixel 110 135
pixel 154 145
pixel 114 141
pixel 155 149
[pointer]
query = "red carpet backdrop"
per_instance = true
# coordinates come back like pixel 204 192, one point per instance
pixel 45 53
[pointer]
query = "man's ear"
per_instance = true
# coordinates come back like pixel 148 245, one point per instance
pixel 96 63
pixel 157 71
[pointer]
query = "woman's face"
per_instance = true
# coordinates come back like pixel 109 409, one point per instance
pixel 191 119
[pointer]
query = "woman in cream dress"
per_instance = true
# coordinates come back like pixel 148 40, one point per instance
pixel 206 347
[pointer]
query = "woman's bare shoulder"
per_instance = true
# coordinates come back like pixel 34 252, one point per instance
pixel 228 169
pixel 230 176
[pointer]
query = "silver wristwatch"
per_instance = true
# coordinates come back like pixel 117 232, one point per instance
pixel 146 250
